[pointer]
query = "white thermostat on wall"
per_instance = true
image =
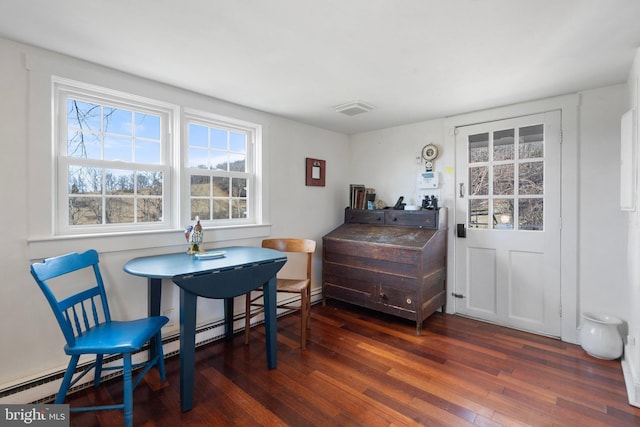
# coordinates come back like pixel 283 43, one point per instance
pixel 428 180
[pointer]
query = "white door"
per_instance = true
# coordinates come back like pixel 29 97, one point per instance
pixel 508 205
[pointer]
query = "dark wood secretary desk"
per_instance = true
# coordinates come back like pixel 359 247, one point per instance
pixel 392 261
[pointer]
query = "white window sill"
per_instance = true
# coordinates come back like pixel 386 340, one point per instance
pixel 39 248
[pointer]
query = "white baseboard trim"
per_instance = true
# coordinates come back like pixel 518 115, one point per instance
pixel 43 389
pixel 632 384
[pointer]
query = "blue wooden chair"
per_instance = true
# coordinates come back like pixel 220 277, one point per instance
pixel 88 329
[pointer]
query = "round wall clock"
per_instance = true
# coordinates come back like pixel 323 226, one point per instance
pixel 429 152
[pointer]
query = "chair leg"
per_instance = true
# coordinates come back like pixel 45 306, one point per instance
pixel 66 381
pixel 128 390
pixel 97 370
pixel 308 310
pixel 247 317
pixel 304 311
pixel 160 356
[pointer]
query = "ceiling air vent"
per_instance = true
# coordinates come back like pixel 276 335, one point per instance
pixel 353 108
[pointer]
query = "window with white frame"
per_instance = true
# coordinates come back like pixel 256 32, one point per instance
pixel 120 166
pixel 220 168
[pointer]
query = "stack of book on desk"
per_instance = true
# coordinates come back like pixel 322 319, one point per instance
pixel 359 195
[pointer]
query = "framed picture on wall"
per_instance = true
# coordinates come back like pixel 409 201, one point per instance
pixel 316 171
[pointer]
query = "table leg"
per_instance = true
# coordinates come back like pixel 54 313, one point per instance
pixel 270 322
pixel 188 305
pixel 228 318
pixel 154 294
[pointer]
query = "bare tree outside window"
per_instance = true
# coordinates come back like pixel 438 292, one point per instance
pixel 100 135
pixel 506 179
pixel 217 156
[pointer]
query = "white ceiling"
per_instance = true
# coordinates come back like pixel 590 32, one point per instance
pixel 413 60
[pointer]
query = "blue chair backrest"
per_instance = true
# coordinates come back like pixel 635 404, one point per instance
pixel 78 312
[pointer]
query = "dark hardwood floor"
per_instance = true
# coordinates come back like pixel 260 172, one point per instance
pixel 362 368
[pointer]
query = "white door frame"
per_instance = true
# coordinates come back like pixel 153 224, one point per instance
pixel 568 106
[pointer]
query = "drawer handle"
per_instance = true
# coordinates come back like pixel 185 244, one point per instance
pixel 383 295
pixel 409 301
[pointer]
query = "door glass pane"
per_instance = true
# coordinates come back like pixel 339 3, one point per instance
pixel 503 141
pixel 479 148
pixel 531 142
pixel 479 213
pixel 531 178
pixel 503 179
pixel 503 214
pixel 531 214
pixel 479 179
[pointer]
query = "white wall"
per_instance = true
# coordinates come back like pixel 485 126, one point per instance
pixel 31 342
pixel 631 360
pixel 592 278
pixel 389 159
pixel 602 235
pixel 593 272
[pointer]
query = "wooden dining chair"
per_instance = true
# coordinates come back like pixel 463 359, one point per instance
pixel 88 329
pixel 302 286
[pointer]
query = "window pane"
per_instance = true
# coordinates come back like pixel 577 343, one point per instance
pixel 118 148
pixel 200 186
pixel 149 209
pixel 479 148
pixel 200 208
pixel 239 188
pixel 219 139
pixel 83 115
pixel 118 182
pixel 239 208
pixel 238 142
pixel 531 178
pixel 220 186
pixel 531 142
pixel 221 209
pixel 149 183
pixel 84 180
pixel 478 213
pixel 237 162
pixel 147 152
pixel 198 158
pixel 147 126
pixel 100 130
pixel 531 214
pixel 118 121
pixel 84 145
pixel 85 210
pixel 479 179
pixel 198 136
pixel 219 160
pixel 119 210
pixel 503 214
pixel 503 142
pixel 226 158
pixel 503 179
